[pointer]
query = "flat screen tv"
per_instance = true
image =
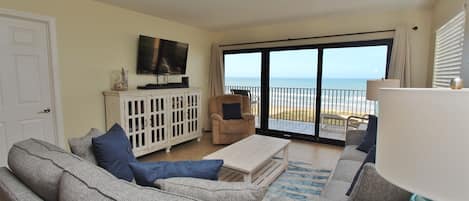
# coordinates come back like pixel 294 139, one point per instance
pixel 160 56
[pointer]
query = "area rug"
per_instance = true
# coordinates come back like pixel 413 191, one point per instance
pixel 301 181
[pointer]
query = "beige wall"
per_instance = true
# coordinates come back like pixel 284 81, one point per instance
pixel 444 10
pixel 95 39
pixel 350 23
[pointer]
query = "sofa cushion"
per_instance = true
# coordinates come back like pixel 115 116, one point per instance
pixel 372 187
pixel 231 111
pixel 370 137
pixel 114 153
pixel 212 190
pixel 83 147
pixel 370 158
pixel 89 182
pixel 39 165
pixel 335 190
pixel 11 189
pixel 351 153
pixel 346 170
pixel 147 173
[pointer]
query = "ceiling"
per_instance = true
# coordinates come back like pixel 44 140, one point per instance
pixel 216 15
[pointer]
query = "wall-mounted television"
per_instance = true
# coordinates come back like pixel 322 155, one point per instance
pixel 160 56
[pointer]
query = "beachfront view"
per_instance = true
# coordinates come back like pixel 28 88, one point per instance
pixel 293 87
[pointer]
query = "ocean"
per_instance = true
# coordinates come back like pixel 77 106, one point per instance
pixel 328 83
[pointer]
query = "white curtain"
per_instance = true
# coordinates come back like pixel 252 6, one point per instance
pixel 216 80
pixel 401 62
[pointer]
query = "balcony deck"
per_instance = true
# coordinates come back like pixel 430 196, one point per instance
pixel 293 109
pixel 329 131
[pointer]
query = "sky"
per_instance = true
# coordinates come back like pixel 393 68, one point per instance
pixel 339 63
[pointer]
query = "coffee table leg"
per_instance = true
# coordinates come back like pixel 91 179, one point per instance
pixel 248 178
pixel 285 157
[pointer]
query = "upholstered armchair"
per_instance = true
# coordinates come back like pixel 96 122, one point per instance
pixel 232 130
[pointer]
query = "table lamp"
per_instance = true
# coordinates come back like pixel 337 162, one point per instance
pixel 423 141
pixel 373 87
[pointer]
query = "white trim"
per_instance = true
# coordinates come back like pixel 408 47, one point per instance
pixel 54 64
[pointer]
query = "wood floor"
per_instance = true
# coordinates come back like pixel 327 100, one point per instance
pixel 321 155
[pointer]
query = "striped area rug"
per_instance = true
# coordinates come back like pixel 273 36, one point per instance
pixel 301 181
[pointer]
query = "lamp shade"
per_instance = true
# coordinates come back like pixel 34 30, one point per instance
pixel 423 141
pixel 373 87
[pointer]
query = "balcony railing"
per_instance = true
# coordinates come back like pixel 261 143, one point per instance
pixel 299 104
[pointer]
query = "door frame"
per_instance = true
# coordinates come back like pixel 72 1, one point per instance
pixel 56 99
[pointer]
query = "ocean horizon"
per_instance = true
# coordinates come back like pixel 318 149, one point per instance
pixel 328 83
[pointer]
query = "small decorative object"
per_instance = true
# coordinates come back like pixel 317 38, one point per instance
pixel 456 83
pixel 120 80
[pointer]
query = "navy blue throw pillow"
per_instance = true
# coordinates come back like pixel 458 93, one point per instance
pixel 232 111
pixel 114 153
pixel 370 137
pixel 147 173
pixel 370 158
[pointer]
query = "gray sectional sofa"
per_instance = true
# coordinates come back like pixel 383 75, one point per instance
pixel 39 171
pixel 370 185
pixel 42 171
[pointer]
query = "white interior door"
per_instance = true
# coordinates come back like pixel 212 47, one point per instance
pixel 26 102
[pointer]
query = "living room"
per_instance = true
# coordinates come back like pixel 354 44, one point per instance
pixel 90 42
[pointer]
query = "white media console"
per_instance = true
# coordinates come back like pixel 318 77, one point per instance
pixel 155 119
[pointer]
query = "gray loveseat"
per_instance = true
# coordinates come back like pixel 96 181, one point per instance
pixel 39 171
pixel 370 185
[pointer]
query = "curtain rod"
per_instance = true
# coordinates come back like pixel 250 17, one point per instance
pixel 313 37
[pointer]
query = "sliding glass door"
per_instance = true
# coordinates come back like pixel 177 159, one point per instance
pixel 243 76
pixel 343 92
pixel 292 88
pixel 310 91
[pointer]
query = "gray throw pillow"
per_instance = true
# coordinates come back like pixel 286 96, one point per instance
pixel 212 190
pixel 83 147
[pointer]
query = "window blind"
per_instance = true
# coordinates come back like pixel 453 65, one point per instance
pixel 449 51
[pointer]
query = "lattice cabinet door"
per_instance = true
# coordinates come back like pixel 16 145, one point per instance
pixel 157 125
pixel 135 118
pixel 193 113
pixel 177 115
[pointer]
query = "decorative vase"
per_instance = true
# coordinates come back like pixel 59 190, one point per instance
pixel 456 83
pixel 120 80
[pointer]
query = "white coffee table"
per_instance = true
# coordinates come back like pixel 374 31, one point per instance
pixel 252 160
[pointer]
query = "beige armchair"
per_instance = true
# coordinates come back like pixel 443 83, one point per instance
pixel 230 131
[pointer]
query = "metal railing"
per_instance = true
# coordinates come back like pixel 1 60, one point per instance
pixel 299 104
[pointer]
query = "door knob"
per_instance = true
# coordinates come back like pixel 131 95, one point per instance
pixel 45 111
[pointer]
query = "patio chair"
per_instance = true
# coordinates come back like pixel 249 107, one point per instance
pixel 244 92
pixel 349 120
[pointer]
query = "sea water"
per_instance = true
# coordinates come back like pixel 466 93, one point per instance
pixel 327 83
